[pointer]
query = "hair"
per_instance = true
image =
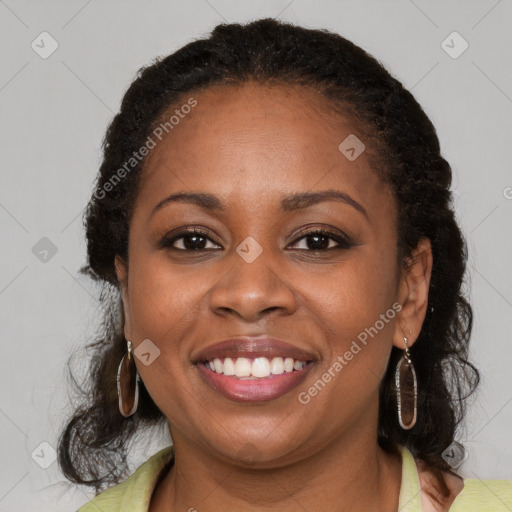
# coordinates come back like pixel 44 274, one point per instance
pixel 92 448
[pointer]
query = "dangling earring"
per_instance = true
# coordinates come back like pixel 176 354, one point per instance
pixel 406 390
pixel 127 383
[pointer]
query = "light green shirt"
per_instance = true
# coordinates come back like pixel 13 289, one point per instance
pixel 134 494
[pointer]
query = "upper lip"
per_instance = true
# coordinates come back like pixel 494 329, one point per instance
pixel 252 347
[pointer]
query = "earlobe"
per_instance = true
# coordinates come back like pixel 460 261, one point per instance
pixel 413 294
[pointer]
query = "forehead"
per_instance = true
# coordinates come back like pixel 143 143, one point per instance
pixel 267 121
pixel 251 141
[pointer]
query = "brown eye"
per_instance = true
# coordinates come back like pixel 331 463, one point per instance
pixel 317 239
pixel 321 240
pixel 190 240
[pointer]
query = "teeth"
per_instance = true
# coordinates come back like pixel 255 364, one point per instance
pixel 219 367
pixel 243 367
pixel 277 366
pixel 229 366
pixel 260 367
pixel 288 364
pixel 298 365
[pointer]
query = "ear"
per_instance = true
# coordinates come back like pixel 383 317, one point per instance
pixel 121 269
pixel 413 294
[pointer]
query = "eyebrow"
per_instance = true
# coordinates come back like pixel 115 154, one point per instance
pixel 291 203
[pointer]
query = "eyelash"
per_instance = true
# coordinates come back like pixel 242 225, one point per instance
pixel 342 240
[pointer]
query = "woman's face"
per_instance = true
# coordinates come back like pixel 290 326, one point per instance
pixel 254 271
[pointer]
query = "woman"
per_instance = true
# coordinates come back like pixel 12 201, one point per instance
pixel 274 213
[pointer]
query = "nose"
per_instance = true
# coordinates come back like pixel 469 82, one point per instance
pixel 252 290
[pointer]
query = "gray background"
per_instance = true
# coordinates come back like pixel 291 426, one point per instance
pixel 54 112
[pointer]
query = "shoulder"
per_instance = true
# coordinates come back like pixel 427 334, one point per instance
pixel 135 490
pixel 488 495
pixel 463 495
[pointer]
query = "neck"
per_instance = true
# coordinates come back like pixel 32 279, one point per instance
pixel 352 474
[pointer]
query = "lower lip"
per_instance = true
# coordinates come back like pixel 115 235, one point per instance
pixel 253 390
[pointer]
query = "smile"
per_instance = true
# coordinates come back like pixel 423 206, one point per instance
pixel 254 380
pixel 253 369
pixel 259 367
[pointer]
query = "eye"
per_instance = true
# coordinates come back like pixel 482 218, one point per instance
pixel 321 239
pixel 317 239
pixel 191 239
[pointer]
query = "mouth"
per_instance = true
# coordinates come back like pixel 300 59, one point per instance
pixel 253 369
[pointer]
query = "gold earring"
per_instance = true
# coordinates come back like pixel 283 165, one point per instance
pixel 406 390
pixel 127 383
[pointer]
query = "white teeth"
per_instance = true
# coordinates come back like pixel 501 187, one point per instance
pixel 219 367
pixel 260 367
pixel 298 365
pixel 229 366
pixel 277 366
pixel 243 367
pixel 288 364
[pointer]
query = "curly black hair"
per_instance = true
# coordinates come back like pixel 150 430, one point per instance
pixel 92 448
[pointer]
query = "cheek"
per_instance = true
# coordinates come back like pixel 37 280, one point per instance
pixel 357 308
pixel 360 290
pixel 164 308
pixel 359 331
pixel 162 302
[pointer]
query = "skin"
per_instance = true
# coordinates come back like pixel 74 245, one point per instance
pixel 251 146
